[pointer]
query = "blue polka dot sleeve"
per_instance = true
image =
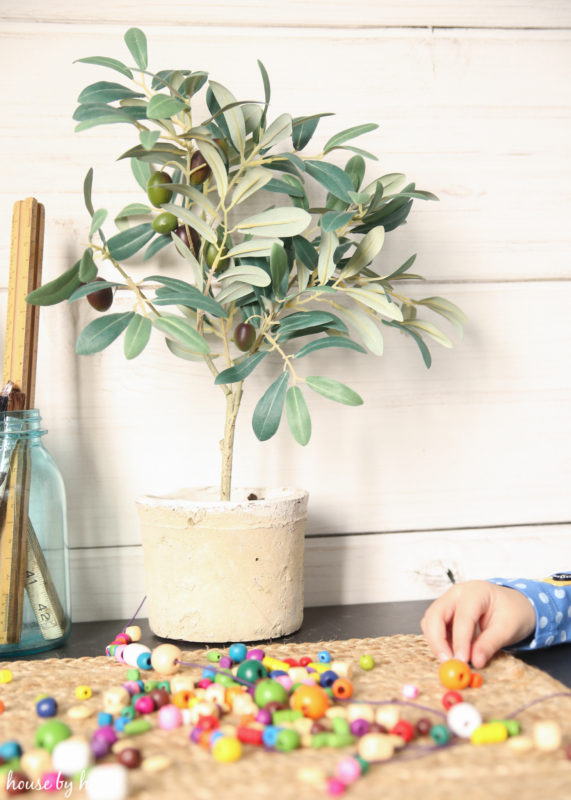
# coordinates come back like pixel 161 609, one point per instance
pixel 551 599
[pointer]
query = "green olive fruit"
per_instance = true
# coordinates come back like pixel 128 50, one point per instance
pixel 156 191
pixel 199 169
pixel 165 222
pixel 244 336
pixel 210 252
pixel 194 243
pixel 223 145
pixel 101 300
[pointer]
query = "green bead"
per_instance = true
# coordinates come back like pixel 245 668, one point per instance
pixel 137 726
pixel 440 734
pixel 225 679
pixel 512 725
pixel 150 685
pixel 164 685
pixel 252 670
pixel 51 733
pixel 285 715
pixel 341 726
pixel 269 691
pixel 340 739
pixel 287 739
pixel 320 740
pixel 329 691
pixel 214 656
pixel 129 712
pixel 133 674
pixel 14 765
pixel 366 662
pixel 364 764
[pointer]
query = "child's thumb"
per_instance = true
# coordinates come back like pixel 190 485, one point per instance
pixel 488 642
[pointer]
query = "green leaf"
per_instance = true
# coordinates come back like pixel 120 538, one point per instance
pixel 286 221
pixel 133 210
pixel 358 150
pixel 106 92
pixel 425 352
pixel 91 287
pixel 404 268
pixel 349 133
pixel 297 415
pixel 128 242
pixel 234 291
pixel 214 161
pixel 104 61
pixel 58 289
pixel 333 178
pixel 142 172
pixel 334 390
pixel 326 263
pixel 87 187
pixel 187 253
pixel 369 247
pixel 282 187
pixel 156 246
pixel 179 351
pixel 97 221
pixel 137 336
pixel 377 301
pixel 136 41
pixel 333 220
pixel 181 331
pixel 196 196
pixel 279 130
pixel 255 276
pixel 87 267
pixel 444 307
pixel 240 371
pixel 366 328
pixel 192 299
pixel 305 252
pixel 161 153
pixel 193 83
pixel 193 220
pixel 266 82
pixel 278 267
pixel 253 179
pixel 252 247
pixel 304 128
pixel 329 341
pixel 163 107
pixel 233 117
pixel 149 138
pixel 269 409
pixel 100 333
pixel 355 169
pixel 430 330
pixel 301 320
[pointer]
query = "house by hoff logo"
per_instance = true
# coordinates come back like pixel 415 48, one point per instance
pixel 53 781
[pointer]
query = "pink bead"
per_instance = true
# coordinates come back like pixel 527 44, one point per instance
pixel 257 654
pixel 204 683
pixel 170 717
pixel 122 638
pixel 264 716
pixel 132 687
pixel 410 690
pixel 145 704
pixel 335 787
pixel 118 654
pixel 348 770
pixel 285 681
pixel 52 781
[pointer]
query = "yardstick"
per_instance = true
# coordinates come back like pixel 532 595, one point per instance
pixel 20 553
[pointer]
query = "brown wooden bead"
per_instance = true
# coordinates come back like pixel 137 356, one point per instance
pixel 130 757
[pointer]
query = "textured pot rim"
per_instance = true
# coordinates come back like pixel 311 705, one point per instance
pixel 269 497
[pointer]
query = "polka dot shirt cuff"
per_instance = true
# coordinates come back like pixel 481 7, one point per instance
pixel 552 605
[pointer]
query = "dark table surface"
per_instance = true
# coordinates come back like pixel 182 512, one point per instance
pixel 320 624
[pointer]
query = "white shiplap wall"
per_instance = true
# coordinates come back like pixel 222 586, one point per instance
pixel 463 467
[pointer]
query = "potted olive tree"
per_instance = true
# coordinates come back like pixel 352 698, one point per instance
pixel 291 279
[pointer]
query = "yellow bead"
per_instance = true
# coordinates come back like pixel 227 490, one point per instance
pixel 274 663
pixel 319 667
pixel 134 633
pixel 165 658
pixel 489 733
pixel 387 716
pixel 5 675
pixel 376 746
pixel 226 749
pixel 83 692
pixel 547 735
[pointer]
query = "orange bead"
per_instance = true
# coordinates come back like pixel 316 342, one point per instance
pixel 180 699
pixel 312 701
pixel 342 688
pixel 204 739
pixel 246 719
pixel 476 680
pixel 455 674
pixel 231 693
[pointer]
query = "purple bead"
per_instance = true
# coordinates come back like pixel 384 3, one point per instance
pixel 195 734
pixel 251 690
pixel 264 716
pixel 225 662
pixel 359 727
pixel 256 654
pixel 107 733
pixel 100 747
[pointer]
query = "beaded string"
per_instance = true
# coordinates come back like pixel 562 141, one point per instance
pixel 214 669
pixel 135 615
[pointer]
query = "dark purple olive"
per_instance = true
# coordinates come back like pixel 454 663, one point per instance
pixel 244 336
pixel 101 300
pixel 199 169
pixel 194 238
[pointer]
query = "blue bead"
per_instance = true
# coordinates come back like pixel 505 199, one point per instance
pixel 270 735
pixel 120 723
pixel 46 707
pixel 328 678
pixel 237 652
pixel 10 750
pixel 215 735
pixel 324 656
pixel 144 661
pixel 275 672
pixel 208 673
pixel 104 719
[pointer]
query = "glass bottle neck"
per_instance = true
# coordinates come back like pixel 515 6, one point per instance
pixel 25 423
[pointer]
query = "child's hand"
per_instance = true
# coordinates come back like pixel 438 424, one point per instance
pixel 473 620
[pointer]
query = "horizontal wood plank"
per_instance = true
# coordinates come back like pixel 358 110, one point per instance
pixel 109 583
pixel 318 13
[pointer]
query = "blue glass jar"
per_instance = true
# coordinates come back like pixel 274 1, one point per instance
pixel 34 565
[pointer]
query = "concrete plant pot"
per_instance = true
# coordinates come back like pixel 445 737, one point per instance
pixel 224 571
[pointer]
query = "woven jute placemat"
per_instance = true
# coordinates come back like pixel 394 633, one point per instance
pixel 460 772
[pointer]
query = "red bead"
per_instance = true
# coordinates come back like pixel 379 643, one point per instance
pixel 423 726
pixel 291 661
pixel 249 735
pixel 450 699
pixel 304 661
pixel 208 722
pixel 404 729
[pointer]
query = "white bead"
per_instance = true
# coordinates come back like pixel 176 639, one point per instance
pixel 72 755
pixel 108 782
pixel 360 711
pixel 342 668
pixel 185 683
pixel 410 691
pixel 132 652
pixel 134 633
pixel 387 716
pixel 463 719
pixel 547 735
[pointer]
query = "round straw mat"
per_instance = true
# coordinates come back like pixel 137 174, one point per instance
pixel 459 772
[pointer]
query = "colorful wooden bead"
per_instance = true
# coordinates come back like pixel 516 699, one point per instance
pixel 5 675
pixel 335 787
pixel 489 733
pixel 145 704
pixel 366 662
pixel 410 691
pixel 547 735
pixel 520 744
pixel 237 652
pixel 2 707
pixel 376 747
pixel 165 659
pixel 83 692
pixel 476 680
pixel 404 729
pixel 10 750
pixel 115 699
pixel 72 755
pixel 463 719
pixel 130 757
pixel 342 689
pixel 251 670
pixel 156 763
pixel 324 656
pixel 213 656
pixel 169 717
pixel 80 712
pixel 46 707
pixel 440 734
pixel 122 638
pixel 311 700
pixel 455 674
pixel 137 726
pixel 423 726
pixel 134 633
pixel 512 725
pixel 226 749
pixel 451 698
pixel 348 770
pixel 361 711
pixel 387 716
pixel 268 691
pixel 51 733
pixel 35 762
pixel 107 782
pixel 132 652
pixel 343 668
pixel 256 654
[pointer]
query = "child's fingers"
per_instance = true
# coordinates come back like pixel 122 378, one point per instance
pixel 434 625
pixel 487 643
pixel 463 630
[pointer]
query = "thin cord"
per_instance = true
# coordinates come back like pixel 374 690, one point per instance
pixel 134 617
pixel 538 700
pixel 215 669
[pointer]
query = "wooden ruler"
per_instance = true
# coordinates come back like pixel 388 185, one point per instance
pixel 20 553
